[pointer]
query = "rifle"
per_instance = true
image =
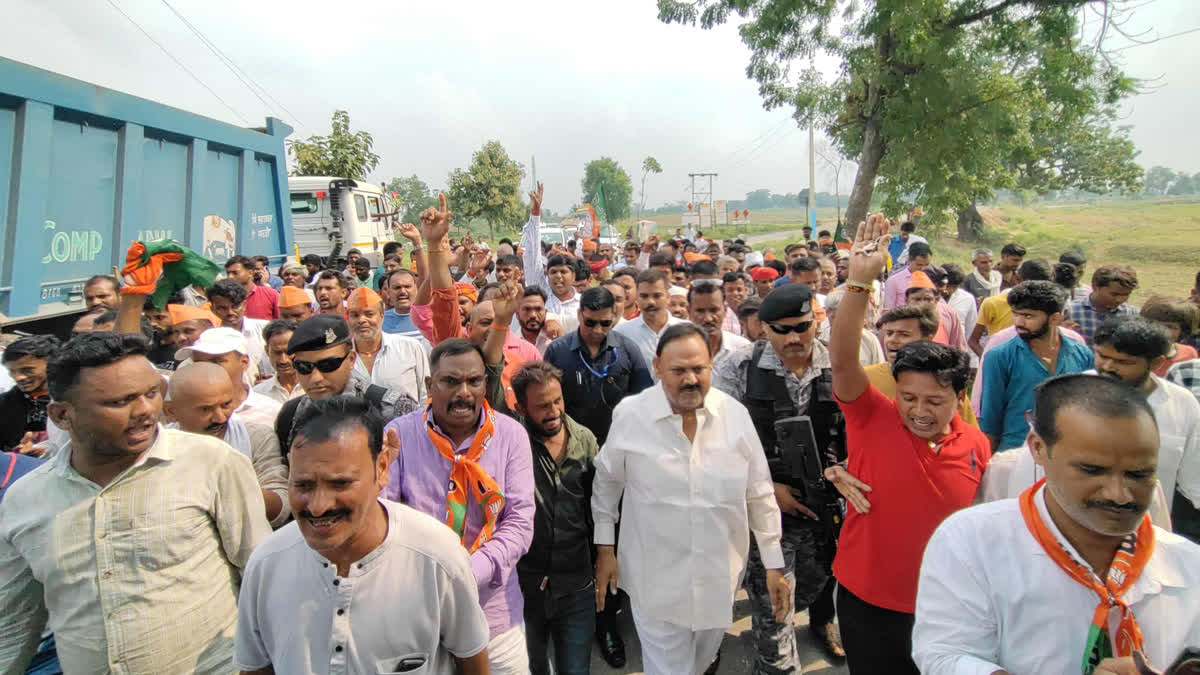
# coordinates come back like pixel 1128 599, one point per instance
pixel 805 466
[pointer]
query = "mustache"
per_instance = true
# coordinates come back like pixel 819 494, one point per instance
pixel 222 426
pixel 689 387
pixel 460 403
pixel 1131 507
pixel 338 513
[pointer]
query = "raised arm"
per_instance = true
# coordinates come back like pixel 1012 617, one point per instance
pixel 435 226
pixel 867 258
pixel 531 242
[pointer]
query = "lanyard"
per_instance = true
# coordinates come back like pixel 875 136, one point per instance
pixel 604 373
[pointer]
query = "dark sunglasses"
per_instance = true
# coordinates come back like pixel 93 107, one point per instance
pixel 324 365
pixel 592 323
pixel 780 329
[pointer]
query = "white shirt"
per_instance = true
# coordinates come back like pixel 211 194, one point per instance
pixel 990 598
pixel 535 275
pixel 1011 472
pixel 257 347
pixel 729 343
pixel 1178 415
pixel 645 337
pixel 902 259
pixel 688 508
pixel 400 364
pixel 275 391
pixel 413 596
pixel 259 409
pixel 963 304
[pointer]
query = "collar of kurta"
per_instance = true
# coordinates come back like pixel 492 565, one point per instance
pixel 1163 570
pixel 659 408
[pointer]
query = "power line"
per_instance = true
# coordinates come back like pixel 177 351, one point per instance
pixel 229 63
pixel 1156 40
pixel 178 62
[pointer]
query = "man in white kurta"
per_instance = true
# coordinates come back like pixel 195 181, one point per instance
pixel 1001 587
pixel 689 507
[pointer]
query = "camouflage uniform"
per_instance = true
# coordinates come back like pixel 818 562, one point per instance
pixel 808 546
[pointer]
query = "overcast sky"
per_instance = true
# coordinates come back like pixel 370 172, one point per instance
pixel 566 82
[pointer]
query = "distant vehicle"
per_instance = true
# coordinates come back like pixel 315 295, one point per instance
pixel 332 215
pixel 553 234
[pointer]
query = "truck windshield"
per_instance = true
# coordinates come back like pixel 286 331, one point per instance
pixel 304 202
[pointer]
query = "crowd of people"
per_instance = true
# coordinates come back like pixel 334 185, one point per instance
pixel 467 460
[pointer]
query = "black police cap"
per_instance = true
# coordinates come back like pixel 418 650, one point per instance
pixel 320 331
pixel 786 301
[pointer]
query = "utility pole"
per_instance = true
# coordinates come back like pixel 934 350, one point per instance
pixel 812 181
pixel 533 168
pixel 712 209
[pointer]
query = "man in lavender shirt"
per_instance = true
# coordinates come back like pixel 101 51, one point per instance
pixel 420 478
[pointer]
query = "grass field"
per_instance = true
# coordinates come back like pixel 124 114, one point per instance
pixel 1160 238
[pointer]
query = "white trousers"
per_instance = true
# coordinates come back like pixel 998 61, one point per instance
pixel 670 649
pixel 507 654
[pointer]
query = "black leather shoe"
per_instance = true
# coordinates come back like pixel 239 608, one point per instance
pixel 612 647
pixel 712 668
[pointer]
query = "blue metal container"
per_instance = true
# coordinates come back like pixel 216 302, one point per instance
pixel 85 170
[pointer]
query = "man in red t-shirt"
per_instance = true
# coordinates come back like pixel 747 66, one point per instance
pixel 262 302
pixel 921 460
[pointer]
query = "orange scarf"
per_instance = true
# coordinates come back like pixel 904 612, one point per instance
pixel 1127 566
pixel 466 474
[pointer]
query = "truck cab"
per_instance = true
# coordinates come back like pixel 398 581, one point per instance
pixel 332 215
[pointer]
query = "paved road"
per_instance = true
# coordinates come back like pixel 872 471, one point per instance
pixel 737 650
pixel 778 234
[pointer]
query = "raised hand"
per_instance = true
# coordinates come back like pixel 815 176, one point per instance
pixel 435 223
pixel 535 201
pixel 410 232
pixel 868 254
pixel 651 244
pixel 505 302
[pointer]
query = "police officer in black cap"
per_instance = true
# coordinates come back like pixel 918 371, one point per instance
pixel 786 375
pixel 323 357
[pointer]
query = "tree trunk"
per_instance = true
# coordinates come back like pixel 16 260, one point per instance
pixel 970 224
pixel 864 180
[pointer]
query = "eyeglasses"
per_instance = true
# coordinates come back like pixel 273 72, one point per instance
pixel 781 329
pixel 592 323
pixel 324 365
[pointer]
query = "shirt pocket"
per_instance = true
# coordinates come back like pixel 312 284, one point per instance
pixel 165 540
pixel 415 663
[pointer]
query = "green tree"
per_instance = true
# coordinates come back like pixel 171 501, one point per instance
pixel 1183 185
pixel 618 189
pixel 1089 156
pixel 649 166
pixel 933 98
pixel 342 154
pixel 414 197
pixel 1158 180
pixel 490 188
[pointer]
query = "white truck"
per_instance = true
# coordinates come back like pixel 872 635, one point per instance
pixel 332 215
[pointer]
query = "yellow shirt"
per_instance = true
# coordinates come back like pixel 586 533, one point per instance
pixel 138 576
pixel 880 376
pixel 994 313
